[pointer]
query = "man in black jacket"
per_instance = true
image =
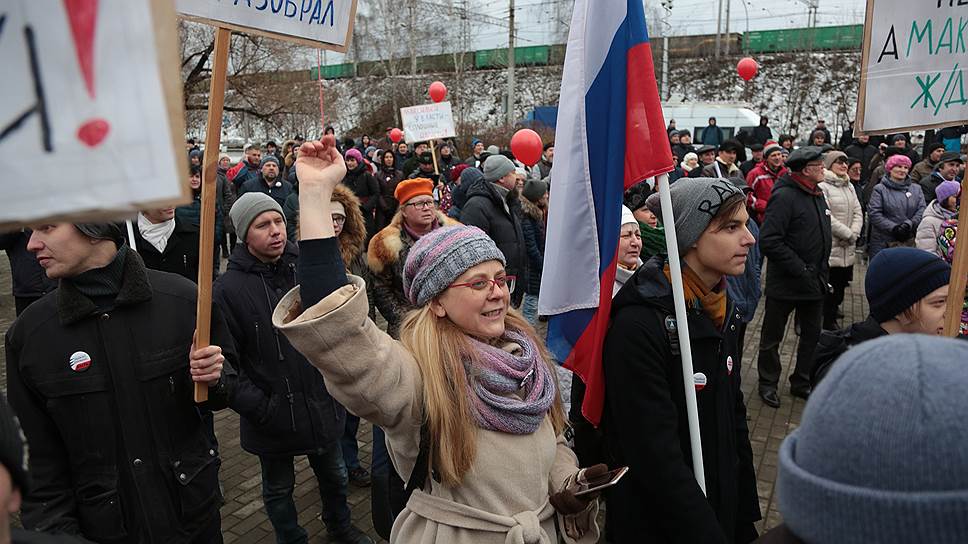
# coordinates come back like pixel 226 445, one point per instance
pixel 28 279
pixel 285 408
pixel 795 239
pixel 167 243
pixel 645 418
pixel 492 207
pixel 102 373
pixel 863 150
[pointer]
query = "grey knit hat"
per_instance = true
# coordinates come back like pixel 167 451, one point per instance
pixel 441 256
pixel 496 167
pixel 880 452
pixel 695 201
pixel 248 207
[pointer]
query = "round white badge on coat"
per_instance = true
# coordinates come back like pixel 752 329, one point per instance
pixel 729 365
pixel 80 361
pixel 700 380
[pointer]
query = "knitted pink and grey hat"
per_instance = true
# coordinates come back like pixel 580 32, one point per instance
pixel 441 256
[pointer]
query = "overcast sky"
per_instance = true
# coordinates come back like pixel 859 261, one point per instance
pixel 538 23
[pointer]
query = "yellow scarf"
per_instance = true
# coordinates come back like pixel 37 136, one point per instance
pixel 712 302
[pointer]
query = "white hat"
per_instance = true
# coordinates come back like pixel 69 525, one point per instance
pixel 628 216
pixel 336 208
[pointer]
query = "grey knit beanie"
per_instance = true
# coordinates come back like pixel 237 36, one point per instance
pixel 248 207
pixel 441 256
pixel 496 167
pixel 880 452
pixel 695 201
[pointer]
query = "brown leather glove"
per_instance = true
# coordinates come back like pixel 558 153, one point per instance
pixel 566 502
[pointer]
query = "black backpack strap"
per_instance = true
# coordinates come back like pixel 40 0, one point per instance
pixel 421 468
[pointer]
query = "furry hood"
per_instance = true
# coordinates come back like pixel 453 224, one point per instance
pixel 386 245
pixel 353 238
pixel 531 209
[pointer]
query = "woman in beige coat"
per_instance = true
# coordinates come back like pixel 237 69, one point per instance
pixel 467 397
pixel 846 221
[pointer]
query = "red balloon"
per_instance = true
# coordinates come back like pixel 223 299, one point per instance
pixel 396 135
pixel 747 68
pixel 437 91
pixel 526 146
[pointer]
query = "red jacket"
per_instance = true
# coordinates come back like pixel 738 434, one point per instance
pixel 761 180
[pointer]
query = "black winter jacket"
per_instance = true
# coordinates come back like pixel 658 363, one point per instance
pixel 119 451
pixel 645 422
pixel 282 399
pixel 498 217
pixel 833 344
pixel 180 255
pixel 279 190
pixel 795 239
pixel 27 276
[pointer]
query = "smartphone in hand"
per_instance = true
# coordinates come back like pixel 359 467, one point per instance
pixel 604 481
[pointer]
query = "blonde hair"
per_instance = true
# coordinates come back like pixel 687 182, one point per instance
pixel 440 348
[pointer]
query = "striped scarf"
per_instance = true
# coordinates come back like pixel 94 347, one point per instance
pixel 495 378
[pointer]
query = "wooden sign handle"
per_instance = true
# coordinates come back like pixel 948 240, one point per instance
pixel 433 153
pixel 206 243
pixel 959 270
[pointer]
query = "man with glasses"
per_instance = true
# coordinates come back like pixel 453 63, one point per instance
pixel 494 208
pixel 285 408
pixel 796 240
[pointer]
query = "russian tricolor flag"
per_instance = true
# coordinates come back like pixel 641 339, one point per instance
pixel 610 135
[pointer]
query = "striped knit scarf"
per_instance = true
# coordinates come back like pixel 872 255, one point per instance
pixel 494 379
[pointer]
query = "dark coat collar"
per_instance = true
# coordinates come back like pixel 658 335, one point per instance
pixel 73 306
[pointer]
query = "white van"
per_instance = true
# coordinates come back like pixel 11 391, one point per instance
pixel 694 116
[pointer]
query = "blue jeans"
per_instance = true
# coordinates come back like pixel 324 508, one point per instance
pixel 278 481
pixel 381 457
pixel 347 442
pixel 530 308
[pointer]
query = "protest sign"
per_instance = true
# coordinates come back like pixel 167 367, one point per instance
pixel 326 24
pixel 91 119
pixel 428 122
pixel 912 68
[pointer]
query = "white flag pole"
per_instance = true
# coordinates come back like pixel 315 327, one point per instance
pixel 682 328
pixel 131 241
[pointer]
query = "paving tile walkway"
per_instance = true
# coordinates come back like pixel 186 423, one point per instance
pixel 243 517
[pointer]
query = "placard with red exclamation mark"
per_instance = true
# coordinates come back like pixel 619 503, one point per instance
pixel 92 99
pixel 83 15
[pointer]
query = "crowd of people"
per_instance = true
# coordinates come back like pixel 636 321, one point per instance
pixel 474 439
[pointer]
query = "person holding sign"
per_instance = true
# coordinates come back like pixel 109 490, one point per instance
pixel 102 375
pixel 468 397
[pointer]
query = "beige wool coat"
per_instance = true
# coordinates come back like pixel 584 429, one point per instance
pixel 846 219
pixel 504 497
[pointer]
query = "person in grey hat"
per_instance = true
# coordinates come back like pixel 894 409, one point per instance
pixel 796 240
pixel 268 181
pixel 493 207
pixel 260 269
pixel 948 168
pixel 879 453
pixel 644 419
pixel 707 156
pixel 104 373
pixel 467 394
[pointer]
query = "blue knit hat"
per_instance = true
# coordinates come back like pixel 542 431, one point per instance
pixel 441 256
pixel 898 277
pixel 880 452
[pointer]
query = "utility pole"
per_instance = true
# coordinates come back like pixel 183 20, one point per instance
pixel 510 63
pixel 666 27
pixel 728 2
pixel 719 27
pixel 413 51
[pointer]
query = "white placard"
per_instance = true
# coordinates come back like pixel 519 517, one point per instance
pixel 326 24
pixel 428 122
pixel 914 64
pixel 91 109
